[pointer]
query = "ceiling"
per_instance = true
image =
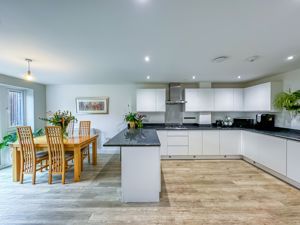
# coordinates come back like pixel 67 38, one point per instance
pixel 105 41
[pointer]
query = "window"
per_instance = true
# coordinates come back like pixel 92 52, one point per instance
pixel 16 108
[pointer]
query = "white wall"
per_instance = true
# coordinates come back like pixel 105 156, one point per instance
pixel 120 96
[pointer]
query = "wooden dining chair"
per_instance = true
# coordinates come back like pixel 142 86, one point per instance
pixel 70 128
pixel 31 161
pixel 85 130
pixel 58 158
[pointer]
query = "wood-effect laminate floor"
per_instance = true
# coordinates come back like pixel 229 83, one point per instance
pixel 193 192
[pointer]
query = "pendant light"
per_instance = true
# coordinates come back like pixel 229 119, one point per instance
pixel 28 74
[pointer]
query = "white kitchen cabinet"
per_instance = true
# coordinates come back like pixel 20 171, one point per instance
pixel 151 100
pixel 211 142
pixel 192 100
pixel 266 150
pixel 160 97
pixel 293 160
pixel 230 142
pixel 250 146
pixel 223 99
pixel 195 142
pixel 206 98
pixel 178 150
pixel 238 99
pixel 199 100
pixel 260 97
pixel 163 139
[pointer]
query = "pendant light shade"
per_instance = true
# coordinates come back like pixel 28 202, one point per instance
pixel 28 74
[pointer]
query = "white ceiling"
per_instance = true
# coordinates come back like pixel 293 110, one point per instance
pixel 105 41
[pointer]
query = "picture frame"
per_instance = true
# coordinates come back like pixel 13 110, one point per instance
pixel 92 105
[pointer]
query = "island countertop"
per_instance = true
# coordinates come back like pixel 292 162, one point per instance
pixel 134 137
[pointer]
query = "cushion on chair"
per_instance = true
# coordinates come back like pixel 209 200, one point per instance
pixel 41 154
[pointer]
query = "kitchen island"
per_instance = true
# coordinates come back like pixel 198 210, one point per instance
pixel 140 164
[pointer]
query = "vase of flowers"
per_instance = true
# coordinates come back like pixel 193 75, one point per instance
pixel 60 118
pixel 134 119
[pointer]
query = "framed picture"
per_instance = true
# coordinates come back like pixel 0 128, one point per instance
pixel 93 105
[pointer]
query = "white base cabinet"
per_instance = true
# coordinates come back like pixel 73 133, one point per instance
pixel 293 160
pixel 163 139
pixel 230 142
pixel 195 142
pixel 211 143
pixel 266 150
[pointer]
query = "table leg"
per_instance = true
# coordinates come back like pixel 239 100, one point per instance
pixel 77 163
pixel 16 163
pixel 94 161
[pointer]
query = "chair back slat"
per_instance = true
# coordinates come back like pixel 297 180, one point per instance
pixel 27 148
pixel 84 128
pixel 70 128
pixel 55 148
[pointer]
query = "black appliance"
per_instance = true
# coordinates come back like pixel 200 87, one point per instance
pixel 265 121
pixel 243 122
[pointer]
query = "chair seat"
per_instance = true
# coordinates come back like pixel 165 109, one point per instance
pixel 69 156
pixel 41 154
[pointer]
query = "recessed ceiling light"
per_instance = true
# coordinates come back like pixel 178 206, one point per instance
pixel 147 59
pixel 239 77
pixel 289 58
pixel 220 59
pixel 148 77
pixel 194 77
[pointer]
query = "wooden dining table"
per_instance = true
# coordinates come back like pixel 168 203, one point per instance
pixel 74 144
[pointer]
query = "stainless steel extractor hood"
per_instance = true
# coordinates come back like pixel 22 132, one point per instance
pixel 176 95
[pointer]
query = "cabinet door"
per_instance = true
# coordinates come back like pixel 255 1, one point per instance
pixel 160 100
pixel 258 98
pixel 192 100
pixel 293 160
pixel 146 100
pixel 272 152
pixel 250 146
pixel 211 143
pixel 178 150
pixel 195 142
pixel 206 98
pixel 223 99
pixel 238 99
pixel 230 142
pixel 163 138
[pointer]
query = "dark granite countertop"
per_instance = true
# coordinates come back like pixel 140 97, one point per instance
pixel 134 137
pixel 290 134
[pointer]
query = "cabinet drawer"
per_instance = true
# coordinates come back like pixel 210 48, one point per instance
pixel 178 150
pixel 178 133
pixel 179 140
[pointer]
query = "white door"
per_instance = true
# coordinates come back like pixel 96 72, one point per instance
pixel 163 139
pixel 250 146
pixel 192 100
pixel 238 99
pixel 146 100
pixel 293 160
pixel 223 99
pixel 160 100
pixel 206 98
pixel 211 143
pixel 230 142
pixel 195 142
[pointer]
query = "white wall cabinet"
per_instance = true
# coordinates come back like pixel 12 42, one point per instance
pixel 211 143
pixel 293 160
pixel 260 97
pixel 223 99
pixel 238 99
pixel 192 100
pixel 230 142
pixel 195 142
pixel 151 100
